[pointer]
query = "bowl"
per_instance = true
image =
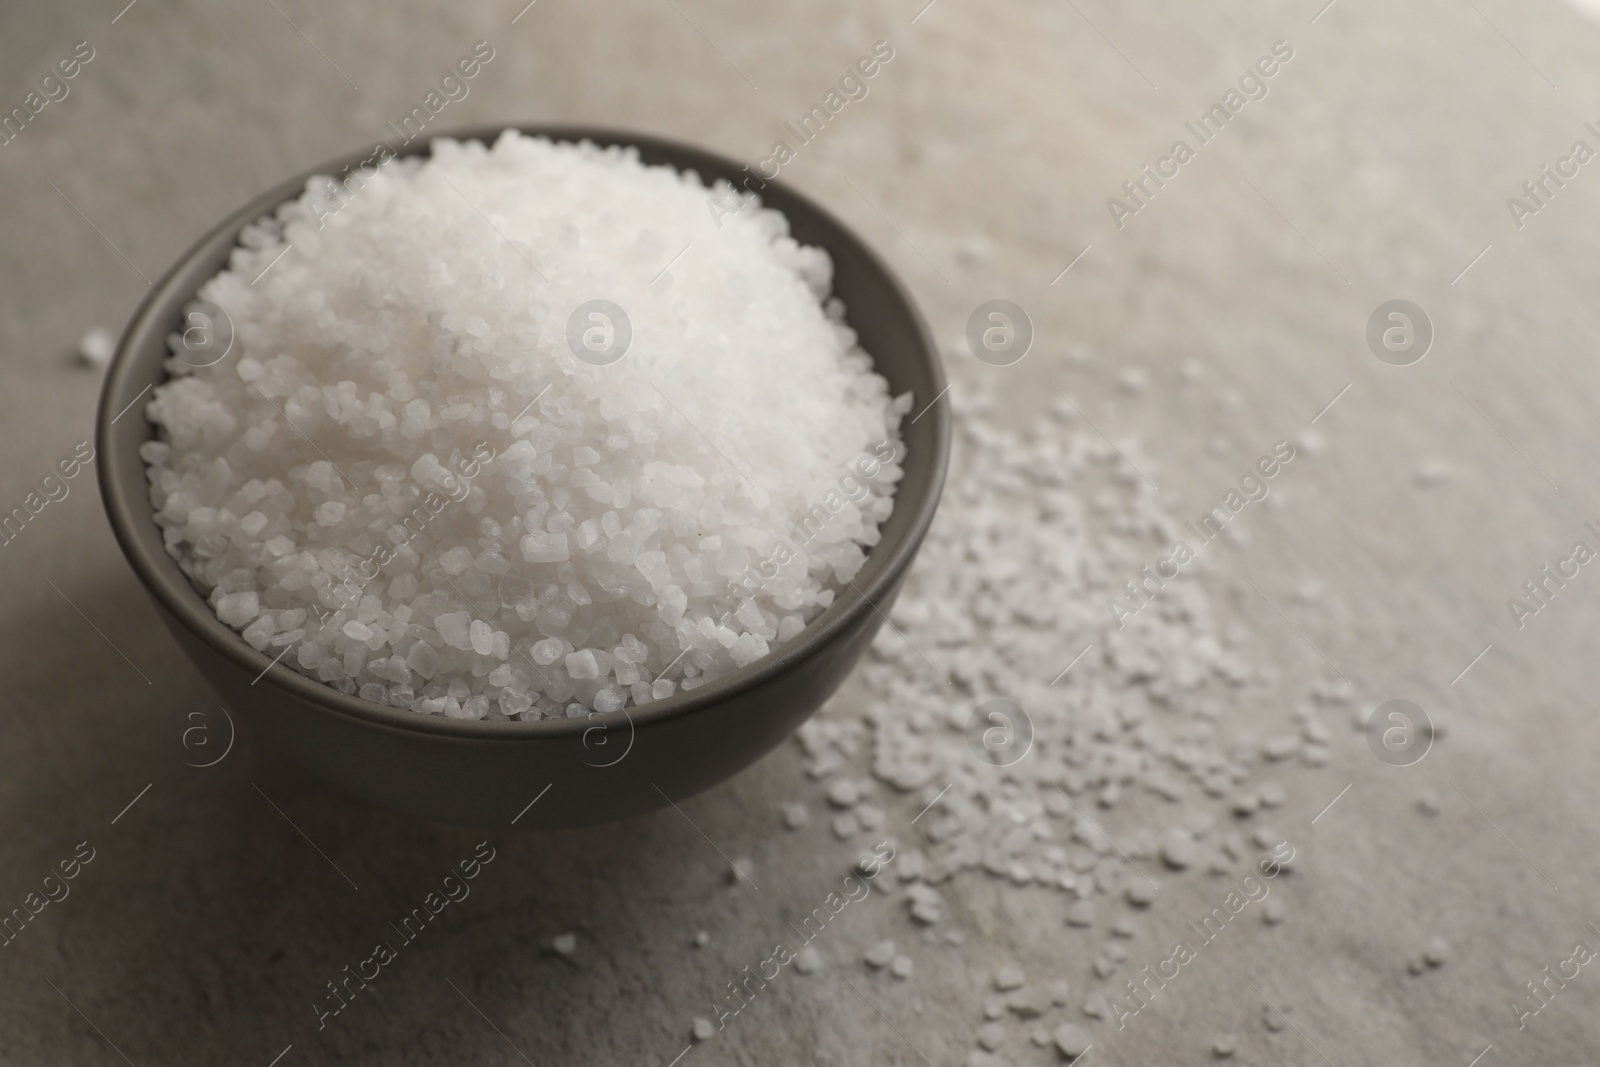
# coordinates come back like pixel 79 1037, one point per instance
pixel 548 773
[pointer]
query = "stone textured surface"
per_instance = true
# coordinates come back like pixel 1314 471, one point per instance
pixel 1377 167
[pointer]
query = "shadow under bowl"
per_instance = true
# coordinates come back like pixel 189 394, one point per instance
pixel 549 773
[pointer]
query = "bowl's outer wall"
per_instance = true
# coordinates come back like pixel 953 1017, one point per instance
pixel 603 775
pixel 483 773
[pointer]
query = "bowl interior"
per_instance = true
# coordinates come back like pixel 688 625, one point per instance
pixel 877 308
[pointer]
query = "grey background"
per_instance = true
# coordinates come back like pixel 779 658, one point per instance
pixel 1377 168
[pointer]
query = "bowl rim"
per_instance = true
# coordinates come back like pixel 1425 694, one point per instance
pixel 184 603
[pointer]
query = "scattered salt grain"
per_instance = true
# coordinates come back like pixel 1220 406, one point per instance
pixel 843 792
pixel 1072 1040
pixel 1311 442
pixel 703 1029
pixel 880 955
pixel 1009 977
pixel 901 967
pixel 96 347
pixel 1281 747
pixel 1037 532
pixel 1431 474
pixel 808 960
pixel 565 944
pixel 1028 1003
pixel 1178 850
pixel 1134 380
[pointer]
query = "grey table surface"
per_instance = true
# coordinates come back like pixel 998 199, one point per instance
pixel 1378 167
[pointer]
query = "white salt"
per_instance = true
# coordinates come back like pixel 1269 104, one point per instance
pixel 420 429
pixel 1011 598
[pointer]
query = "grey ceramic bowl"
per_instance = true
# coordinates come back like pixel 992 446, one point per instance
pixel 580 771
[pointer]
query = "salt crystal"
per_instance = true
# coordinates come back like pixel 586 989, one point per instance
pixel 1028 1003
pixel 1140 893
pixel 1009 977
pixel 1431 474
pixel 1178 850
pixel 238 609
pixel 1281 747
pixel 481 636
pixel 454 628
pixel 843 792
pixel 582 664
pixel 96 347
pixel 1072 1040
pixel 424 659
